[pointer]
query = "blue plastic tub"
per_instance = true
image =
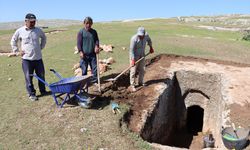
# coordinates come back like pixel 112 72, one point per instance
pixel 235 140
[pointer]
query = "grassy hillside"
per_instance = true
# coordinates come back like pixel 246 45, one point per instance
pixel 42 23
pixel 40 125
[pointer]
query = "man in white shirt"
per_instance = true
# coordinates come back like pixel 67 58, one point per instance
pixel 32 41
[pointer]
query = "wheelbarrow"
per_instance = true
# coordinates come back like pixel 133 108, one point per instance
pixel 75 86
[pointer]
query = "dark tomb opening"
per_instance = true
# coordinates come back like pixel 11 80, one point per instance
pixel 195 116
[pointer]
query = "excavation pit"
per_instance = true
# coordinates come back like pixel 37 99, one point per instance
pixel 186 99
pixel 188 109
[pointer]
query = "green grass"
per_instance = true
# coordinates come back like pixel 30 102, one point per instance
pixel 27 125
pixel 3 32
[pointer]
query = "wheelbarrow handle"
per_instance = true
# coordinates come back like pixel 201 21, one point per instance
pixel 38 78
pixel 57 74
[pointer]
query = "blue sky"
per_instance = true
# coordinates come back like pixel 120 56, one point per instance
pixel 109 10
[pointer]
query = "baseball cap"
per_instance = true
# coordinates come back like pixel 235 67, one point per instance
pixel 30 17
pixel 141 31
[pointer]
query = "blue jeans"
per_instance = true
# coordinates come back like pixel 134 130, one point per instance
pixel 89 59
pixel 29 66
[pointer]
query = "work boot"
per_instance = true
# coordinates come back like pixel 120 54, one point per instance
pixel 96 86
pixel 33 98
pixel 132 88
pixel 44 93
pixel 142 84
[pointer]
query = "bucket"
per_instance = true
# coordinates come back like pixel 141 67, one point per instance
pixel 235 139
pixel 84 100
pixel 208 141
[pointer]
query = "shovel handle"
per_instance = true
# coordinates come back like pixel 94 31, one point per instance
pixel 130 67
pixel 233 125
pixel 235 132
pixel 98 72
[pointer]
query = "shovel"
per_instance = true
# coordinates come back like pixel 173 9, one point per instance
pixel 114 79
pixel 98 73
pixel 235 132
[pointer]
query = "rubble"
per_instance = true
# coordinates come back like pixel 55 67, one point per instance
pixel 10 54
pixel 108 61
pixel 76 50
pixel 78 72
pixel 103 66
pixel 107 48
pixel 76 66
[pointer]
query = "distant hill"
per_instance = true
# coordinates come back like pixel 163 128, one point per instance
pixel 228 20
pixel 40 23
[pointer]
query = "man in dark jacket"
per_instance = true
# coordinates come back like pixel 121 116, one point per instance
pixel 88 46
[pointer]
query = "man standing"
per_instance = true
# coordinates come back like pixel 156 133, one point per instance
pixel 31 52
pixel 137 50
pixel 88 46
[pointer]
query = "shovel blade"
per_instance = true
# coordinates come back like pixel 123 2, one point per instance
pixel 109 80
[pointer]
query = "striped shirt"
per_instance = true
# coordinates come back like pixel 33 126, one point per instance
pixel 30 42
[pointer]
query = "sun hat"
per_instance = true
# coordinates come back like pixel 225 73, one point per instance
pixel 141 31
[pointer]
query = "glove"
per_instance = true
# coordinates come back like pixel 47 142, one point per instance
pixel 151 50
pixel 114 106
pixel 132 62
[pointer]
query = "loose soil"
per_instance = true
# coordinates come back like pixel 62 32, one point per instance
pixel 236 77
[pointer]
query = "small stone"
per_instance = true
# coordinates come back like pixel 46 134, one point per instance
pixel 83 129
pixel 10 79
pixel 9 64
